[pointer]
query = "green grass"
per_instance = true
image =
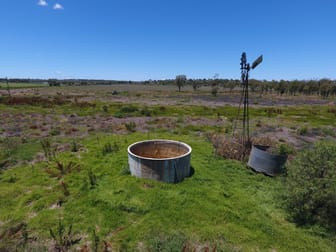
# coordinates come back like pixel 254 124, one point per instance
pixel 21 85
pixel 223 204
pixel 315 115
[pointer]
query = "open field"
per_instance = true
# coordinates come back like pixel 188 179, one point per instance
pixel 76 181
pixel 3 85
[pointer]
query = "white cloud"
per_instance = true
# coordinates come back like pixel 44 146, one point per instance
pixel 58 6
pixel 42 3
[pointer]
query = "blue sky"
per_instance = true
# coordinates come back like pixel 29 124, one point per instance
pixel 159 39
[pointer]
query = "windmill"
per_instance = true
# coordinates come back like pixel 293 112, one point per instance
pixel 244 138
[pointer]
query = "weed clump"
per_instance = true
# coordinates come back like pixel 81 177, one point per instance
pixel 92 179
pixel 110 148
pixel 230 148
pixel 303 131
pixel 125 171
pixel 285 149
pixel 174 242
pixel 105 109
pixel 126 111
pixel 146 112
pixel 74 146
pixel 62 168
pixel 48 149
pixel 63 238
pixel 130 126
pixel 54 132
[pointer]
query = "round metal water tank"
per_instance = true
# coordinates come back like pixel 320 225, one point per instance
pixel 163 160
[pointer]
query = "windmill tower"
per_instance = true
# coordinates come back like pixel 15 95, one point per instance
pixel 241 126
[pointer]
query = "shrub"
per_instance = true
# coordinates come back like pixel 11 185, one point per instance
pixel 109 148
pixel 54 132
pixel 74 146
pixel 146 112
pixel 63 239
pixel 125 171
pixel 311 186
pixel 62 168
pixel 130 126
pixel 126 111
pixel 8 146
pixel 285 149
pixel 227 147
pixel 165 242
pixel 105 108
pixel 303 131
pixel 92 179
pixel 129 109
pixel 48 149
pixel 214 91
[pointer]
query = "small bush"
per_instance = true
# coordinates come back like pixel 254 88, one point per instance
pixel 48 149
pixel 272 111
pixel 125 171
pixel 109 148
pixel 74 146
pixel 126 111
pixel 303 131
pixel 63 238
pixel 146 112
pixel 105 108
pixel 332 110
pixel 311 186
pixel 130 126
pixel 54 132
pixel 92 179
pixel 285 149
pixel 62 168
pixel 161 242
pixel 227 147
pixel 214 91
pixel 8 146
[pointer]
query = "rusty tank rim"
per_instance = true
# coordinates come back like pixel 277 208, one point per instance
pixel 163 141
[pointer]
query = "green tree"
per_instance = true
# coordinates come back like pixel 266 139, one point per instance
pixel 180 80
pixel 282 87
pixel 312 185
pixel 53 82
pixel 293 87
pixel 325 87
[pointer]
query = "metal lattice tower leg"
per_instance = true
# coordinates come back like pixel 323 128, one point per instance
pixel 245 134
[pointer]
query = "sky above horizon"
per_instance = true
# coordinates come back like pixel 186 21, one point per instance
pixel 159 39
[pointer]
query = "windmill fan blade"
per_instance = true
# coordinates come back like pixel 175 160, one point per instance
pixel 257 61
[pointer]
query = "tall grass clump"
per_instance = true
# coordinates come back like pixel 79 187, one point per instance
pixel 110 148
pixel 48 150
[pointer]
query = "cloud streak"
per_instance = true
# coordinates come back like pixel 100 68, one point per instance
pixel 58 6
pixel 42 3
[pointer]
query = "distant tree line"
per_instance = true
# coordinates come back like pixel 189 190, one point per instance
pixel 323 87
pixel 19 80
